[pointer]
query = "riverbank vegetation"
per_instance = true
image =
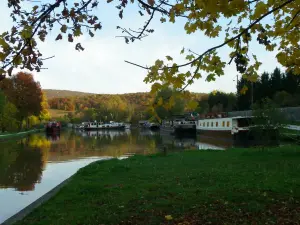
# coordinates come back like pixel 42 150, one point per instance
pixel 236 186
pixel 130 107
pixel 22 103
pixel 282 88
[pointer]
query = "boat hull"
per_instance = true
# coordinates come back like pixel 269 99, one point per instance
pixel 154 127
pixel 52 130
pixel 105 128
pixel 185 130
pixel 243 138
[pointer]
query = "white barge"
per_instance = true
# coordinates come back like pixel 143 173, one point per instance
pixel 236 129
pixel 98 125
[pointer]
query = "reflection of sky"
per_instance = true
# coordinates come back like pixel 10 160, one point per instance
pixel 13 201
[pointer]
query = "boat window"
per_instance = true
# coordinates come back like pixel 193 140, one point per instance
pixel 204 124
pixel 212 124
pixel 228 123
pixel 223 123
pixel 217 124
pixel 244 122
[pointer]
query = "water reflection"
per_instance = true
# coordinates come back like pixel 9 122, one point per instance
pixel 35 164
pixel 22 162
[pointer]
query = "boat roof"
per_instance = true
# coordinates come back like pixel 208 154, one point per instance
pixel 234 117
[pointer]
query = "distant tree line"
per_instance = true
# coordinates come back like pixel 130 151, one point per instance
pixel 282 88
pixel 217 101
pixel 130 107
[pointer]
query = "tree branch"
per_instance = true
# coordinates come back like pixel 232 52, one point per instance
pixel 228 41
pixel 294 17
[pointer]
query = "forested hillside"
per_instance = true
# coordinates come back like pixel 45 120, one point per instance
pixel 67 101
pixel 52 93
pixel 129 107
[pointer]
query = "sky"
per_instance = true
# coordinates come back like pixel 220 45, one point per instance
pixel 100 68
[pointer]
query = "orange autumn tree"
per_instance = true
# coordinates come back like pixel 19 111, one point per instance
pixel 25 93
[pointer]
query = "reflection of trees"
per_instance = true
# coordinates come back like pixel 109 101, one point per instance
pixel 20 165
pixel 104 143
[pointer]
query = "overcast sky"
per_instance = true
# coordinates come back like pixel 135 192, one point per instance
pixel 100 68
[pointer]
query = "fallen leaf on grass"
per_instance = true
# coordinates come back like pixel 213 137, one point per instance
pixel 168 217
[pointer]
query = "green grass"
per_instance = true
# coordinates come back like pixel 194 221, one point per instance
pixel 17 134
pixel 290 131
pixel 237 186
pixel 56 113
pixel 294 123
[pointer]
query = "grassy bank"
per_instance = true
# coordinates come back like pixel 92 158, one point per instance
pixel 56 113
pixel 237 186
pixel 18 134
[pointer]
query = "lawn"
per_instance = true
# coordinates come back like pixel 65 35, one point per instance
pixel 56 113
pixel 236 186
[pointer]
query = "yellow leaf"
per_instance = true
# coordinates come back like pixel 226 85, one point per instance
pixel 155 87
pixel 168 217
pixel 160 101
pixel 192 105
pixel 162 20
pixel 244 90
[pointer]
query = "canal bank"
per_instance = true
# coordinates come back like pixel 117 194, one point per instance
pixel 18 134
pixel 32 166
pixel 195 187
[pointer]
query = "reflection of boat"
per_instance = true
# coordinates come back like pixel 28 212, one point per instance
pixel 53 137
pixel 127 126
pixel 98 126
pixel 148 125
pixel 104 133
pixel 146 132
pixel 179 125
pixel 53 127
pixel 80 126
pixel 184 127
pixel 206 146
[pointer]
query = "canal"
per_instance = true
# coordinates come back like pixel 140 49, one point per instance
pixel 33 165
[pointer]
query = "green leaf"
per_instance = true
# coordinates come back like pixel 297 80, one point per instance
pixel 182 51
pixel 2 56
pixel 26 32
pixel 160 101
pixel 162 19
pixel 77 32
pixel 63 28
pixel 210 77
pixel 190 57
pixel 18 60
pixel 3 44
pixel 169 58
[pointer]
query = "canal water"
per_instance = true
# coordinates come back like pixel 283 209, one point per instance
pixel 33 165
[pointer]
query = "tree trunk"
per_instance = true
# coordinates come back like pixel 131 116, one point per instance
pixel 27 123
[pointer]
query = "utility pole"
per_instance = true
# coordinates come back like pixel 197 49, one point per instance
pixel 237 83
pixel 252 94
